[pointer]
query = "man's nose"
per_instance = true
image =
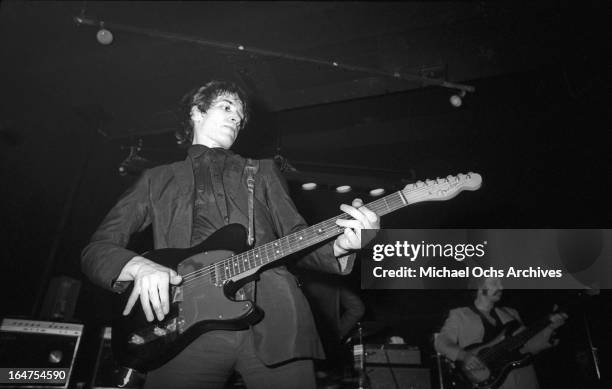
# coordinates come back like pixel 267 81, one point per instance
pixel 235 119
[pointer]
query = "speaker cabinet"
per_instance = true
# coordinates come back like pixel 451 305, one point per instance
pixel 393 354
pixel 396 377
pixel 39 345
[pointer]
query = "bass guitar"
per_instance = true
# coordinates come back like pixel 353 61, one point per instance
pixel 498 356
pixel 215 269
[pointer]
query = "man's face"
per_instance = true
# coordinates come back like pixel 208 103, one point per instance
pixel 492 289
pixel 219 125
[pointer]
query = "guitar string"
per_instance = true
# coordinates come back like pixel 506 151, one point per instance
pixel 270 247
pixel 392 205
pixel 268 251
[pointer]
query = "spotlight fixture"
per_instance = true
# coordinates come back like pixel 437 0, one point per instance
pixel 343 189
pixel 309 186
pixel 377 192
pixel 104 36
pixel 456 100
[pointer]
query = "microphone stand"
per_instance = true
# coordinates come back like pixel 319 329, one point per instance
pixel 592 348
pixel 363 380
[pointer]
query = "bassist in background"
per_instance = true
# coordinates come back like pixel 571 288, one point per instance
pixel 189 200
pixel 481 323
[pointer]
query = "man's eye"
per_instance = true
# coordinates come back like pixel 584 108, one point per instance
pixel 227 108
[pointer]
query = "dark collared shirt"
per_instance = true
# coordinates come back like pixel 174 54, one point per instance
pixel 212 208
pixel 210 211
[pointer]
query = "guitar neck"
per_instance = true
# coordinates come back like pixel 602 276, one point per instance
pixel 243 264
pixel 518 340
pixel 273 251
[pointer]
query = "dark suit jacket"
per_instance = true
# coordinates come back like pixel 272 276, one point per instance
pixel 164 196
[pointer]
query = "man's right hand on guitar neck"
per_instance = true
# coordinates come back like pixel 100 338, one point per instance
pixel 151 284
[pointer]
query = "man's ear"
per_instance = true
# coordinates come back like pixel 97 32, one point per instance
pixel 195 114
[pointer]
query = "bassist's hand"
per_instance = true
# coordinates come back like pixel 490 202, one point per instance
pixel 545 338
pixel 151 284
pixel 470 361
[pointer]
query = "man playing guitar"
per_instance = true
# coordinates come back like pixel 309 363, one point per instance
pixel 186 202
pixel 482 323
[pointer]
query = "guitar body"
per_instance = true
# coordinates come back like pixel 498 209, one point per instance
pixel 497 364
pixel 195 307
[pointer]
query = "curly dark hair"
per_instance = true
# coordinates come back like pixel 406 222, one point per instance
pixel 203 97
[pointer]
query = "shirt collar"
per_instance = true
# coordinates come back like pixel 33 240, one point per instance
pixel 198 151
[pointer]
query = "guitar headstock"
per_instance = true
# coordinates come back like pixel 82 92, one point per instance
pixel 442 188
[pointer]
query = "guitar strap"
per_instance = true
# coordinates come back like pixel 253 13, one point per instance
pixel 494 315
pixel 251 169
pixel 490 329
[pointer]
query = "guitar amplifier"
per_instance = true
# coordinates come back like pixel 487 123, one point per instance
pixel 401 354
pixel 37 354
pixel 395 377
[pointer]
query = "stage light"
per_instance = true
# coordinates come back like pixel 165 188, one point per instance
pixel 104 36
pixel 456 100
pixel 377 192
pixel 343 189
pixel 309 186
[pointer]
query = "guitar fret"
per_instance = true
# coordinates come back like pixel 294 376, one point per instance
pixel 246 263
pixel 247 260
pixel 387 203
pixel 227 271
pixel 213 276
pixel 256 256
pixel 277 248
pixel 238 263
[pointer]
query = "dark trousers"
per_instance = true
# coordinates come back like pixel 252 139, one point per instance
pixel 211 359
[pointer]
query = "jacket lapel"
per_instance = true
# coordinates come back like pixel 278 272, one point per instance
pixel 180 235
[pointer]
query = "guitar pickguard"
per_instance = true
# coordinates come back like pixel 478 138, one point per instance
pixel 206 300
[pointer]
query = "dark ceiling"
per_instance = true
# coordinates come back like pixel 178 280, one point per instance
pixel 160 51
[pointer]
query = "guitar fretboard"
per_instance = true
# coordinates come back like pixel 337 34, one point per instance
pixel 244 263
pixel 515 342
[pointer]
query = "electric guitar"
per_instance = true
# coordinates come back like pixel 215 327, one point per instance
pixel 215 269
pixel 498 356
